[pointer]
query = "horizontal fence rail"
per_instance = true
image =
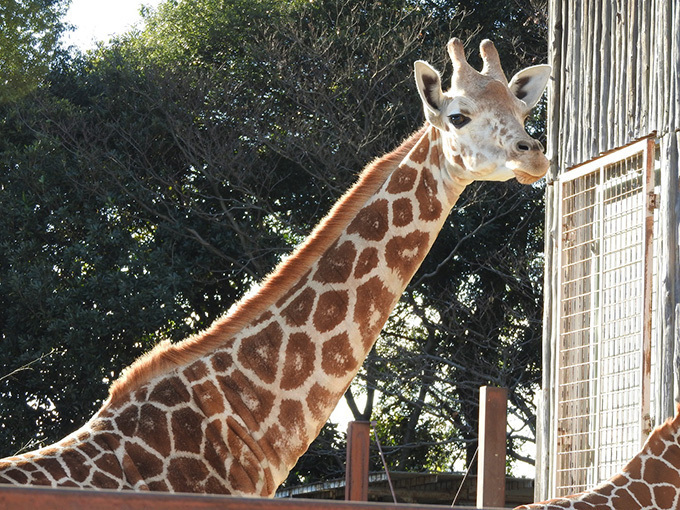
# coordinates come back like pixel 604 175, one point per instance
pixel 43 498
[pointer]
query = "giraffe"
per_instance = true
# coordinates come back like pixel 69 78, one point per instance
pixel 231 409
pixel 651 480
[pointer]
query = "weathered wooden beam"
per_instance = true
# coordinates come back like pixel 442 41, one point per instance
pixel 13 497
pixel 492 438
pixel 358 451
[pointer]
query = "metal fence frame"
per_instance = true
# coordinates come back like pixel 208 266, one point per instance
pixel 601 357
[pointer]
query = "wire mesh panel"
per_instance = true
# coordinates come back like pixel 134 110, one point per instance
pixel 602 377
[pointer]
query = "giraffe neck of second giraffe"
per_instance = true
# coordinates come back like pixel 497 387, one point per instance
pixel 324 327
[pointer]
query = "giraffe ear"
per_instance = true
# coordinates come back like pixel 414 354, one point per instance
pixel 529 84
pixel 429 85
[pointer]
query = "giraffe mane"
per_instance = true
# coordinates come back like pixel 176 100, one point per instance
pixel 166 356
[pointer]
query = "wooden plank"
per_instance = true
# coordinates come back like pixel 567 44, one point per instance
pixel 669 257
pixel 492 439
pixel 648 273
pixel 45 498
pixel 358 452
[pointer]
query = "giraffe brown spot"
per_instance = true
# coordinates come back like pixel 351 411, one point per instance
pixel 272 443
pixel 241 477
pixel 404 254
pixel 594 498
pixel 104 481
pixel 371 221
pixel 208 398
pixel 186 474
pixel 319 400
pixel 426 194
pixel 373 306
pixel 146 463
pixel 297 312
pixel 664 496
pixel 153 429
pixel 197 370
pixel 234 440
pixel 215 486
pixel 127 420
pixel 170 392
pixel 292 418
pixel 299 363
pixel 368 260
pixel 187 430
pixel 403 179
pixel 16 476
pixel 216 452
pixel 293 290
pixel 336 356
pixel 641 492
pixel 248 400
pixel 141 393
pixel 221 361
pixel 634 468
pixel 623 499
pixel 402 212
pixel 89 449
pixel 420 151
pixel 244 448
pixel 109 464
pixel 83 436
pixel 159 486
pixel 40 478
pixel 77 464
pixel 335 265
pixel 331 310
pixel 618 481
pixel 435 156
pixel 107 441
pixel 260 352
pixel 656 469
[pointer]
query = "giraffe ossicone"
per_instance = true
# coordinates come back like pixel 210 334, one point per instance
pixel 231 409
pixel 651 480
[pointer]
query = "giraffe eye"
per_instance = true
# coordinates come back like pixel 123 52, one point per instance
pixel 458 120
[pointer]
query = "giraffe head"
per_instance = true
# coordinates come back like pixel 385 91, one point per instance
pixel 481 117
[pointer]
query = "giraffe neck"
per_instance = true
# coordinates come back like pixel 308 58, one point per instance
pixel 298 358
pixel 650 480
pixel 232 409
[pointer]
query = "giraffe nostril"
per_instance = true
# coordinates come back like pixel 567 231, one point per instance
pixel 523 146
pixel 528 145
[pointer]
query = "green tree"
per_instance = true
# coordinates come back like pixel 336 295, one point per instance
pixel 29 34
pixel 148 184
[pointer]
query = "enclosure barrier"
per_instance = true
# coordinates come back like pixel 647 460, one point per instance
pixel 490 487
pixel 13 497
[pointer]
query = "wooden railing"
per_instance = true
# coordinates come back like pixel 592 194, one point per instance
pixel 40 498
pixel 491 491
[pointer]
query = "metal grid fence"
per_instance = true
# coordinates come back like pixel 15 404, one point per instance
pixel 602 385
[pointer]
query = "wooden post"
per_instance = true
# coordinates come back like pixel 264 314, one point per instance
pixel 356 474
pixel 491 455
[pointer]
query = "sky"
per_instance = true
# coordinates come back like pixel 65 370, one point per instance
pixel 98 20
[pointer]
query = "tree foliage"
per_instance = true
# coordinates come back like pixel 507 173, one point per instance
pixel 148 184
pixel 29 34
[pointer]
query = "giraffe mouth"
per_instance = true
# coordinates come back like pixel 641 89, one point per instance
pixel 526 178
